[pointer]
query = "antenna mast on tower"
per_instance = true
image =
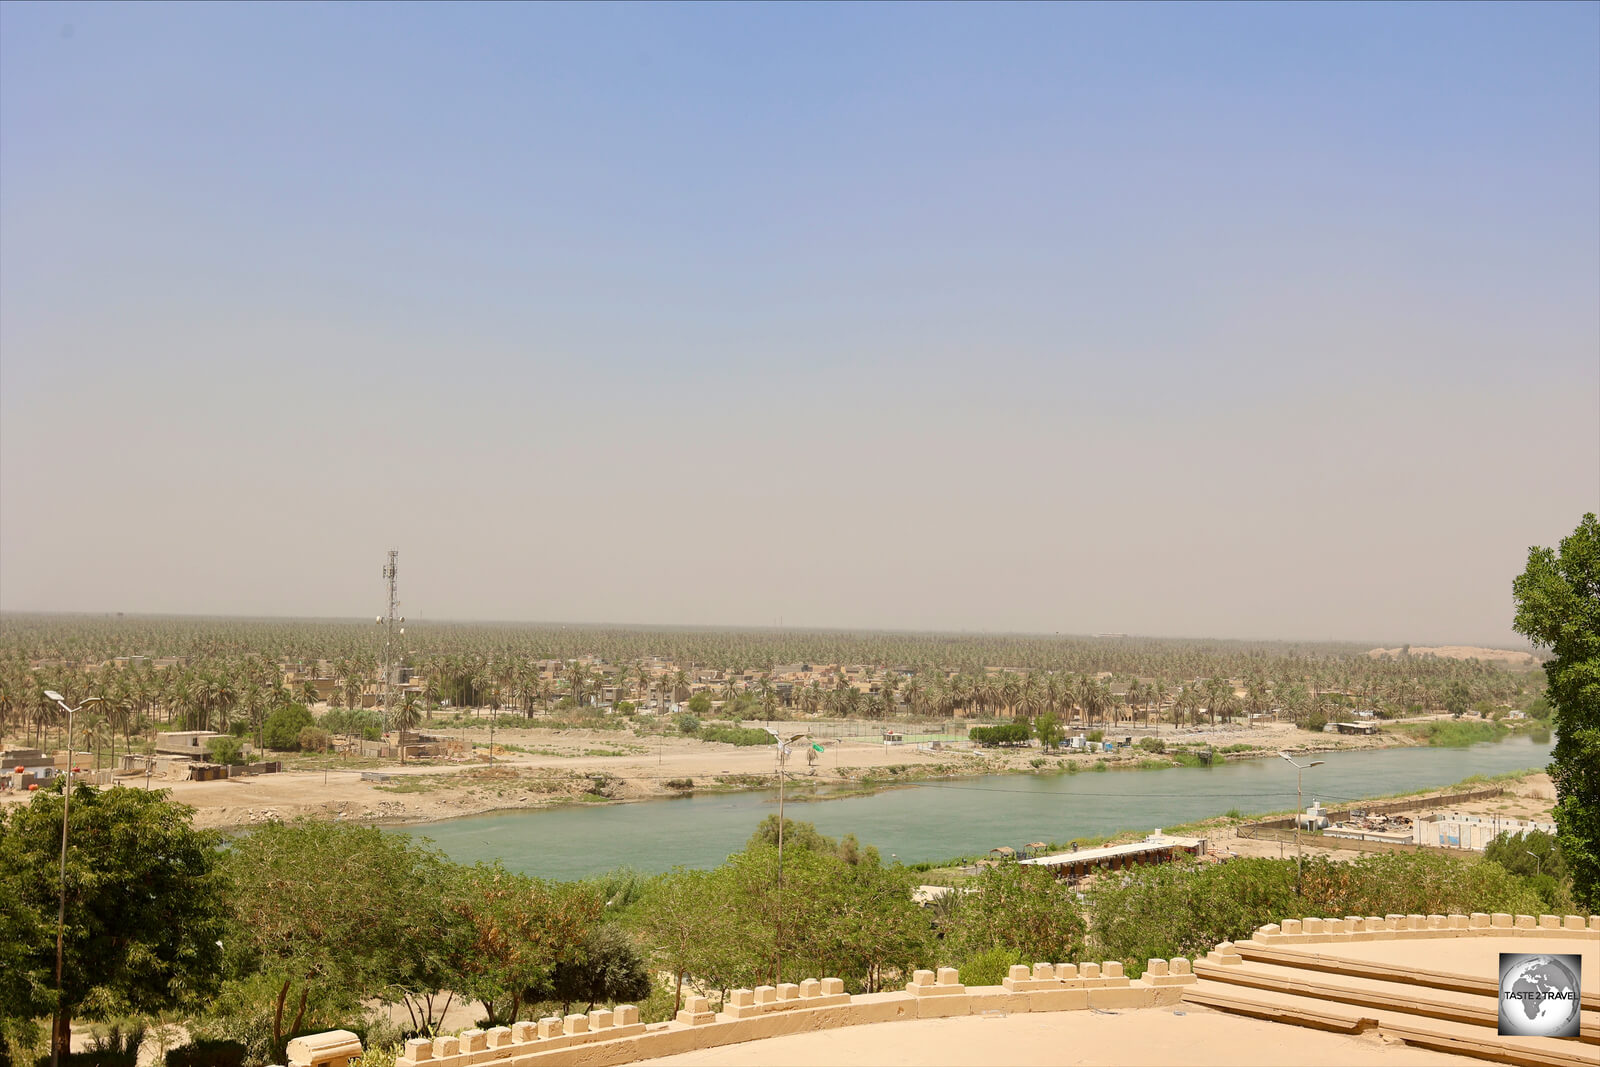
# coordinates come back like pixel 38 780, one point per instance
pixel 391 630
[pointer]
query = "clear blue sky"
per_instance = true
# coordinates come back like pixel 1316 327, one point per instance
pixel 1241 320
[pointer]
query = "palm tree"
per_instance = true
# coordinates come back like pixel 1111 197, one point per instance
pixel 255 704
pixel 577 677
pixel 1217 690
pixel 959 692
pixel 1010 694
pixel 1096 700
pixel 767 695
pixel 351 684
pixel 1031 698
pixel 406 717
pixel 916 695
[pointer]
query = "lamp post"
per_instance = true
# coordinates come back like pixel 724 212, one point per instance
pixel 1299 812
pixel 777 945
pixel 1537 859
pixel 61 919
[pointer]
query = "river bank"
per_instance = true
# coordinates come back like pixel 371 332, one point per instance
pixel 938 818
pixel 540 768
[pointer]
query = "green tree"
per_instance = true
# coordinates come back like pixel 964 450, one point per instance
pixel 334 914
pixel 605 967
pixel 282 728
pixel 1024 910
pixel 1183 909
pixel 1536 856
pixel 144 908
pixel 1049 730
pixel 517 931
pixel 1457 698
pixel 1558 606
pixel 228 750
pixel 677 914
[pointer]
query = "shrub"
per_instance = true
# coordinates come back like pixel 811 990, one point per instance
pixel 229 750
pixel 990 966
pixel 315 739
pixel 1012 733
pixel 680 783
pixel 736 735
pixel 1152 744
pixel 282 728
pixel 353 722
pixel 204 1052
pixel 1184 909
pixel 689 724
pixel 1016 910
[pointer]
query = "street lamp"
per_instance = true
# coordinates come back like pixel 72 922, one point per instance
pixel 1537 859
pixel 61 919
pixel 783 755
pixel 1299 812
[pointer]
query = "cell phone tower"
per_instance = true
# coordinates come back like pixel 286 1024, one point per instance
pixel 392 630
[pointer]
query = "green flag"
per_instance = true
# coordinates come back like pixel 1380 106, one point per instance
pixel 816 747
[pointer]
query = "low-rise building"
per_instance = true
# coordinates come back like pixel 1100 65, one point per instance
pixel 1157 848
pixel 191 743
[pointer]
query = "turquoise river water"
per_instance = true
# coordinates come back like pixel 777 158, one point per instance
pixel 936 820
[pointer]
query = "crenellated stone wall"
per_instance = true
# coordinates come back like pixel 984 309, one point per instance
pixel 601 1038
pixel 1389 927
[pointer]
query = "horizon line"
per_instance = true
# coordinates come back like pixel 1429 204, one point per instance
pixel 770 628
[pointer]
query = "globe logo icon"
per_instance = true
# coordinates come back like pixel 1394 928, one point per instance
pixel 1539 995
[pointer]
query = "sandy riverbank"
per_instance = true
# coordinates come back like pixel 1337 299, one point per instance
pixel 536 767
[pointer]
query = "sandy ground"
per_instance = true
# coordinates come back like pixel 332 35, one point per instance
pixel 1190 1035
pixel 558 766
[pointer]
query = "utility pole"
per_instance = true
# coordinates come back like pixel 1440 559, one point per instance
pixel 57 1037
pixel 1299 812
pixel 777 945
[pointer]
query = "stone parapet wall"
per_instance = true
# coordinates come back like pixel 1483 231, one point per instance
pixel 601 1038
pixel 1391 927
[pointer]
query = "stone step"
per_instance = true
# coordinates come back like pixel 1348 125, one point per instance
pixel 1444 1035
pixel 1277 1008
pixel 1477 1008
pixel 1306 959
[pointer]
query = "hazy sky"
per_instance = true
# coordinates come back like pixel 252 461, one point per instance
pixel 1241 321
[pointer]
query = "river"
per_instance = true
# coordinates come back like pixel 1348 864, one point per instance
pixel 936 820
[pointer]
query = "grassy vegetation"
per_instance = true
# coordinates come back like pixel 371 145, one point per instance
pixel 622 749
pixel 416 783
pixel 326 761
pixel 742 736
pixel 1450 733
